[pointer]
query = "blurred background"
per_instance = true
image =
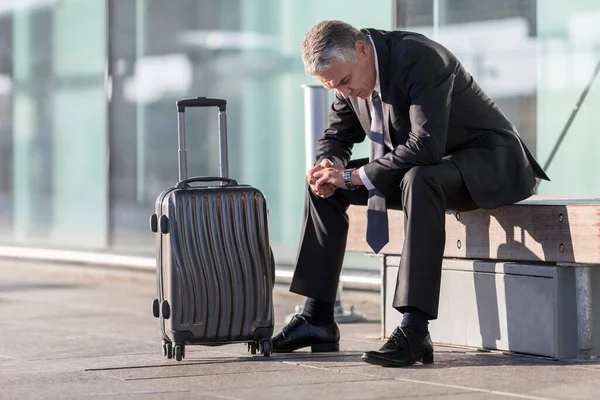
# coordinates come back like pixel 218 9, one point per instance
pixel 88 88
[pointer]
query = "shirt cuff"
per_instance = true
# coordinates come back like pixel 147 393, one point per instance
pixel 365 179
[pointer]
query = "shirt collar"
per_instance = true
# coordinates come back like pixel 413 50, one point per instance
pixel 377 84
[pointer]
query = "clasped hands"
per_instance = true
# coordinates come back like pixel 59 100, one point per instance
pixel 325 178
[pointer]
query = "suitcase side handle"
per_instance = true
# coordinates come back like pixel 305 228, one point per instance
pixel 202 102
pixel 185 182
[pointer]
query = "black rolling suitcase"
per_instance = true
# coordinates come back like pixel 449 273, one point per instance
pixel 215 269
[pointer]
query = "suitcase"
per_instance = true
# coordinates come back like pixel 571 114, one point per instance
pixel 214 265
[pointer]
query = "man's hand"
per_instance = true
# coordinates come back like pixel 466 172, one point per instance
pixel 323 189
pixel 326 178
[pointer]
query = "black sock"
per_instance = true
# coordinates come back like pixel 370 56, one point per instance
pixel 415 320
pixel 318 312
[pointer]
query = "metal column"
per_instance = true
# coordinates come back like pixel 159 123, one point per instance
pixel 315 120
pixel 583 286
pixel 316 106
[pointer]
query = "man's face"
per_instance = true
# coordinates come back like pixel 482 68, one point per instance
pixel 355 79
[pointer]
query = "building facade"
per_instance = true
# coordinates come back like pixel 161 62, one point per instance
pixel 88 125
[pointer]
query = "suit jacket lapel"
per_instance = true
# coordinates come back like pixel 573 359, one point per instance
pixel 383 59
pixel 363 114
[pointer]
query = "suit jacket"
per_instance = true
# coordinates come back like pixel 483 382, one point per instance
pixel 433 110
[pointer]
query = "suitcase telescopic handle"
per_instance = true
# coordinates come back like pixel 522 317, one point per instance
pixel 227 181
pixel 202 102
pixel 182 151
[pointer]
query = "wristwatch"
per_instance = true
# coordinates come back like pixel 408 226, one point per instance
pixel 347 180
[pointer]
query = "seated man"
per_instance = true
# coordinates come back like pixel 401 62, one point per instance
pixel 438 143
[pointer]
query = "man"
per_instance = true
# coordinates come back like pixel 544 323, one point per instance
pixel 438 143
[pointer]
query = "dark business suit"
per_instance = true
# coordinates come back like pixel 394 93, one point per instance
pixel 452 149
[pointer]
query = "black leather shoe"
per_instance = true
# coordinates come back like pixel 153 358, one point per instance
pixel 300 332
pixel 403 348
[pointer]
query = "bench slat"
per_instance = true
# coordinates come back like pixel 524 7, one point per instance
pixel 528 231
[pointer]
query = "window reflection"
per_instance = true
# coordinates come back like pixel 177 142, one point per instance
pixel 534 59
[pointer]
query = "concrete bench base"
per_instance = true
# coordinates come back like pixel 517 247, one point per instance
pixel 526 308
pixel 533 295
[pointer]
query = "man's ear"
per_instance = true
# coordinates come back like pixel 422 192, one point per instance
pixel 361 48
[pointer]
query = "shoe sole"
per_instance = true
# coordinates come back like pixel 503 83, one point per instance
pixel 315 348
pixel 383 362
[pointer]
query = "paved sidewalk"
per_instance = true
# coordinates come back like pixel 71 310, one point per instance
pixel 76 332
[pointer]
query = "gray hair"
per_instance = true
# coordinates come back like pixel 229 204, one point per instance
pixel 328 41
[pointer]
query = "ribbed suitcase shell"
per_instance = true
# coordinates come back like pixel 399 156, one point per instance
pixel 215 268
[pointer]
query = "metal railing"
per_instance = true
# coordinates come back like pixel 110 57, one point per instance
pixel 316 105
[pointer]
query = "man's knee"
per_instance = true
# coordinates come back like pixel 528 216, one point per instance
pixel 417 178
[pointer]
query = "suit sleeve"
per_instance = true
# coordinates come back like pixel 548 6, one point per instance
pixel 427 79
pixel 343 131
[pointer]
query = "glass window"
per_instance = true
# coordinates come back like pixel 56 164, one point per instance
pixel 247 52
pixel 60 97
pixel 6 130
pixel 568 58
pixel 53 110
pixel 535 59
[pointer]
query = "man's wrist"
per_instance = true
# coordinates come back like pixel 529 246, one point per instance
pixel 355 178
pixel 347 177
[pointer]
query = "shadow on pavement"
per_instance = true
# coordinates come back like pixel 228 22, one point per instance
pixel 444 359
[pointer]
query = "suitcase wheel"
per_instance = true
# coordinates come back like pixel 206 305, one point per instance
pixel 178 351
pixel 266 347
pixel 154 223
pixel 167 349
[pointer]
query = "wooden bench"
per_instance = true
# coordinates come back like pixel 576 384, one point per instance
pixel 516 278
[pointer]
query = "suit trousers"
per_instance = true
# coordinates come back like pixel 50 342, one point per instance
pixel 424 194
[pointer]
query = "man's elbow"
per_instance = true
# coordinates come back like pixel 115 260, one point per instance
pixel 428 150
pixel 432 156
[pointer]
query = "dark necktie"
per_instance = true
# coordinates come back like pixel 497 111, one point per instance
pixel 377 219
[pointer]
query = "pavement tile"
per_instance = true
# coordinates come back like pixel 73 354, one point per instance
pixel 75 333
pixel 343 390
